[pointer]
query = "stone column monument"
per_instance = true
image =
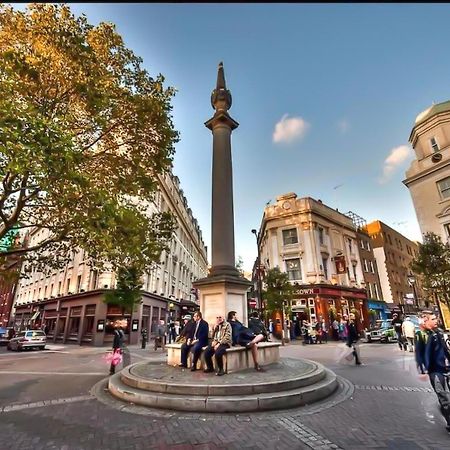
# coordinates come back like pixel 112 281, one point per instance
pixel 224 289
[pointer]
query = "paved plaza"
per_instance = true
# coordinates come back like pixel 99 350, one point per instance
pixel 56 399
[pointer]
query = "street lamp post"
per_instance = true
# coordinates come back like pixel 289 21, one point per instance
pixel 412 283
pixel 258 273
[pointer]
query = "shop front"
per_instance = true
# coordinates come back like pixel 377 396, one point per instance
pixel 378 310
pixel 86 319
pixel 328 302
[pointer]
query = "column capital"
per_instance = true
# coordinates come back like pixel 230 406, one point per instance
pixel 221 118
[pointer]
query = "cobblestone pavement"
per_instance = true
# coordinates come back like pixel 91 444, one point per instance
pixel 384 406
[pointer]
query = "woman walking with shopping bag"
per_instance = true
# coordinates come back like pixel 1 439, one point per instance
pixel 120 351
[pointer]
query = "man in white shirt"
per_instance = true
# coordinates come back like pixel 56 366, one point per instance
pixel 408 330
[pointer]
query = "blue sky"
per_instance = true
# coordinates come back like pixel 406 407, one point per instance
pixel 344 83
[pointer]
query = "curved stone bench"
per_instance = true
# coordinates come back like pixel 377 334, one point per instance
pixel 286 384
pixel 236 358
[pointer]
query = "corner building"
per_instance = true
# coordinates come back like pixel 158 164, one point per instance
pixel 428 177
pixel 317 247
pixel 70 303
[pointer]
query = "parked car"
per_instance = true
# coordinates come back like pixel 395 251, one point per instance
pixel 28 339
pixel 383 331
pixel 5 334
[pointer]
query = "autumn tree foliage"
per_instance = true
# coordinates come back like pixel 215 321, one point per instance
pixel 85 132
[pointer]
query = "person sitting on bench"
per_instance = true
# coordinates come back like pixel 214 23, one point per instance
pixel 196 340
pixel 221 341
pixel 241 335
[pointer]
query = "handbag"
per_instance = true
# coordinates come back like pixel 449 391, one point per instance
pixel 114 357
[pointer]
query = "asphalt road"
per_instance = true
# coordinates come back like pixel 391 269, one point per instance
pixel 45 404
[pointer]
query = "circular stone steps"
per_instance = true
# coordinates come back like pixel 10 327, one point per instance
pixel 286 384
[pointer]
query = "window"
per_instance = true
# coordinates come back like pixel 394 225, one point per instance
pixel 325 267
pixel 349 245
pixel 447 230
pixel 290 236
pixel 354 272
pixel 369 290
pixel 366 269
pixel 371 267
pixel 434 145
pixel 78 283
pixel 444 187
pixel 375 287
pixel 94 279
pixel 321 236
pixel 293 269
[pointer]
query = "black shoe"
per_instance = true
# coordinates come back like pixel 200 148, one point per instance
pixel 182 365
pixel 258 368
pixel 208 370
pixel 220 373
pixel 358 363
pixel 193 369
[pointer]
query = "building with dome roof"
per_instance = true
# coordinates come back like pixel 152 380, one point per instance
pixel 428 177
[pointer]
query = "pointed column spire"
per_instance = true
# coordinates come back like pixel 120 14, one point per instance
pixel 220 78
pixel 221 101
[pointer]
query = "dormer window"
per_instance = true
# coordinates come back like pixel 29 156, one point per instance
pixel 434 144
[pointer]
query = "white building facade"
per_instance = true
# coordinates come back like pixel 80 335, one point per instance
pixel 69 302
pixel 317 247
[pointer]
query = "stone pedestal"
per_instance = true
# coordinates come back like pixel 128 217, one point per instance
pixel 220 294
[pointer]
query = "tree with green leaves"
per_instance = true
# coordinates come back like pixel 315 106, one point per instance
pixel 85 134
pixel 279 291
pixel 433 264
pixel 127 293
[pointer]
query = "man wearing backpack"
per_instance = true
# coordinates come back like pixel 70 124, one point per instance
pixel 433 360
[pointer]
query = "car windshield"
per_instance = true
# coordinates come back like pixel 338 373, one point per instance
pixel 35 334
pixel 383 324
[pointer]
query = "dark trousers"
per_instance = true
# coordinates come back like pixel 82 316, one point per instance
pixel 355 352
pixel 400 339
pixel 440 386
pixel 209 352
pixel 196 350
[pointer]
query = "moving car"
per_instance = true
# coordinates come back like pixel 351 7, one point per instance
pixel 383 331
pixel 28 339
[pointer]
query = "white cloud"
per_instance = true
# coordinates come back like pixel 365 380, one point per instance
pixel 290 129
pixel 394 161
pixel 343 126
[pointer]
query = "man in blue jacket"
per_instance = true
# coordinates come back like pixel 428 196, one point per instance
pixel 195 341
pixel 433 359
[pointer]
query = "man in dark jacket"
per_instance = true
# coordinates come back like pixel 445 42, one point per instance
pixel 353 337
pixel 397 324
pixel 433 359
pixel 196 340
pixel 257 326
